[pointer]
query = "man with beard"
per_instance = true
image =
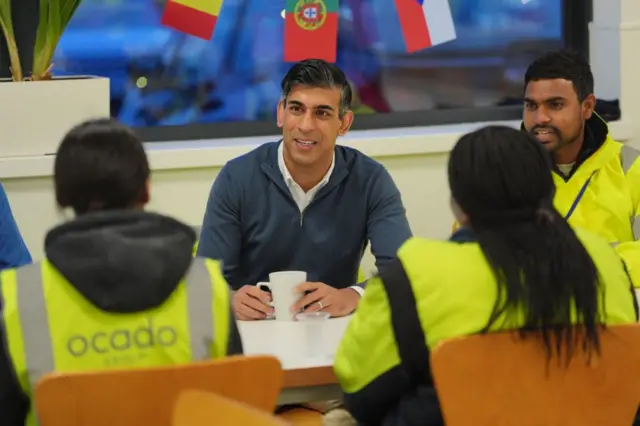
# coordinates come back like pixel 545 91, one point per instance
pixel 597 178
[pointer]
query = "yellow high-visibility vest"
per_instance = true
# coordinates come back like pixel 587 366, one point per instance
pixel 50 326
pixel 603 196
pixel 451 289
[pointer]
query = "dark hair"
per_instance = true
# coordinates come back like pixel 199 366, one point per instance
pixel 318 73
pixel 501 179
pixel 570 66
pixel 100 165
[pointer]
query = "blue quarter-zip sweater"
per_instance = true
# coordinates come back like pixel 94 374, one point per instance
pixel 254 226
pixel 13 250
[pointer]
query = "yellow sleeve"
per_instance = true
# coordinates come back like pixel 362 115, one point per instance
pixel 630 251
pixel 368 363
pixel 368 348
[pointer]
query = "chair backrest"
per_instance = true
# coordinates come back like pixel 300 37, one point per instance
pixel 199 408
pixel 500 379
pixel 146 396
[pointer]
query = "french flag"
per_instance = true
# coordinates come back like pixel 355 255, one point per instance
pixel 425 23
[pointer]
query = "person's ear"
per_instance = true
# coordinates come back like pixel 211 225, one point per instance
pixel 280 113
pixel 347 121
pixel 588 106
pixel 145 197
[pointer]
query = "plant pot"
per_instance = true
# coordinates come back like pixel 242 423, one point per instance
pixel 35 115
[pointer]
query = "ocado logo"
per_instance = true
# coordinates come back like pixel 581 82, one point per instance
pixel 122 339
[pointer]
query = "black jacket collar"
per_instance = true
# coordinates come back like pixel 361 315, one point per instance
pixel 463 235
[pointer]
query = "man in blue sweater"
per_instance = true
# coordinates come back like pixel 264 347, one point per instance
pixel 303 203
pixel 13 250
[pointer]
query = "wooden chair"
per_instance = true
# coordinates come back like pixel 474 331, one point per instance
pixel 301 416
pixel 146 396
pixel 199 408
pixel 499 379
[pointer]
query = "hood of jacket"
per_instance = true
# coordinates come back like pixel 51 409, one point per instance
pixel 122 261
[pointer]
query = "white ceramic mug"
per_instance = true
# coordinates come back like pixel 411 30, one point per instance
pixel 282 286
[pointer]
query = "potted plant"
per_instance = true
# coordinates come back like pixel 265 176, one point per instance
pixel 44 107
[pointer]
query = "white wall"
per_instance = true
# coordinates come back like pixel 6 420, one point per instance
pixel 183 193
pixel 416 158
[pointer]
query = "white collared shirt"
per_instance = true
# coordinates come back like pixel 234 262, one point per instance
pixel 302 198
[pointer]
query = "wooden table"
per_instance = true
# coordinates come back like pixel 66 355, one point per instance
pixel 306 378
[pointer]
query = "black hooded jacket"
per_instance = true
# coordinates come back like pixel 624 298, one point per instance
pixel 120 261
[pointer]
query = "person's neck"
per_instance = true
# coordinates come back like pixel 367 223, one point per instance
pixel 569 154
pixel 308 177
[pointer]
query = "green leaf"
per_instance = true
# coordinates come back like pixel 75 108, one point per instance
pixel 68 9
pixel 6 23
pixel 54 18
pixel 5 15
pixel 55 25
pixel 41 35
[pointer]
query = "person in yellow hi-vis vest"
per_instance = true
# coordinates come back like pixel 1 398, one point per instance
pixel 515 265
pixel 118 288
pixel 597 179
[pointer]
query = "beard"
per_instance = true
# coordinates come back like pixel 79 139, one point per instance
pixel 562 139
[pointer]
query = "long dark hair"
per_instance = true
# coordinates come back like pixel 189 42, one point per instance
pixel 501 179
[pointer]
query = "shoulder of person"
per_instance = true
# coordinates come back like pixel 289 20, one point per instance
pixel 360 164
pixel 629 155
pixel 431 259
pixel 253 158
pixel 242 168
pixel 416 246
pixel 595 244
pixel 213 268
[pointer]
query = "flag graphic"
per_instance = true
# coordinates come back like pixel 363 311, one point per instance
pixel 311 30
pixel 195 17
pixel 425 23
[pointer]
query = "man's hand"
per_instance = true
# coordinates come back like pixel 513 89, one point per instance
pixel 322 297
pixel 251 303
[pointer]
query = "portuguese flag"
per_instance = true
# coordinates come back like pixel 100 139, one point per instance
pixel 311 30
pixel 195 17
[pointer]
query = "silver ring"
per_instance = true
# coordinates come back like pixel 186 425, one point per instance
pixel 321 305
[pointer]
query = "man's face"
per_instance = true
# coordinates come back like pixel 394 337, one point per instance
pixel 553 113
pixel 311 123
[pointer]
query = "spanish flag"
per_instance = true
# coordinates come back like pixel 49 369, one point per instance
pixel 195 17
pixel 311 30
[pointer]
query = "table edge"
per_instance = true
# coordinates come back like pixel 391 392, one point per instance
pixel 310 376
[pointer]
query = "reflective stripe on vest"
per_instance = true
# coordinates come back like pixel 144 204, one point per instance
pixel 32 311
pixel 628 156
pixel 635 227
